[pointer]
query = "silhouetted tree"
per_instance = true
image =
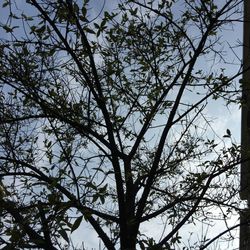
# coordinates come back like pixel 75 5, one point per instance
pixel 102 120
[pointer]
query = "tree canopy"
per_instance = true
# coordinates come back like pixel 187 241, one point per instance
pixel 103 119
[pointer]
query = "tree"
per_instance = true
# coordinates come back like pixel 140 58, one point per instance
pixel 103 120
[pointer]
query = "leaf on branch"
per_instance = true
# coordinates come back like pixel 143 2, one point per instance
pixel 228 134
pixel 76 224
pixel 64 234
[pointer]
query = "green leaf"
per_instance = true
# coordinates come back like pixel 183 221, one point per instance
pixel 27 18
pixel 41 29
pixel 95 197
pixel 228 134
pixel 63 233
pixel 96 25
pixel 5 4
pixel 102 198
pixel 7 28
pixel 90 31
pixel 76 223
pixel 84 11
